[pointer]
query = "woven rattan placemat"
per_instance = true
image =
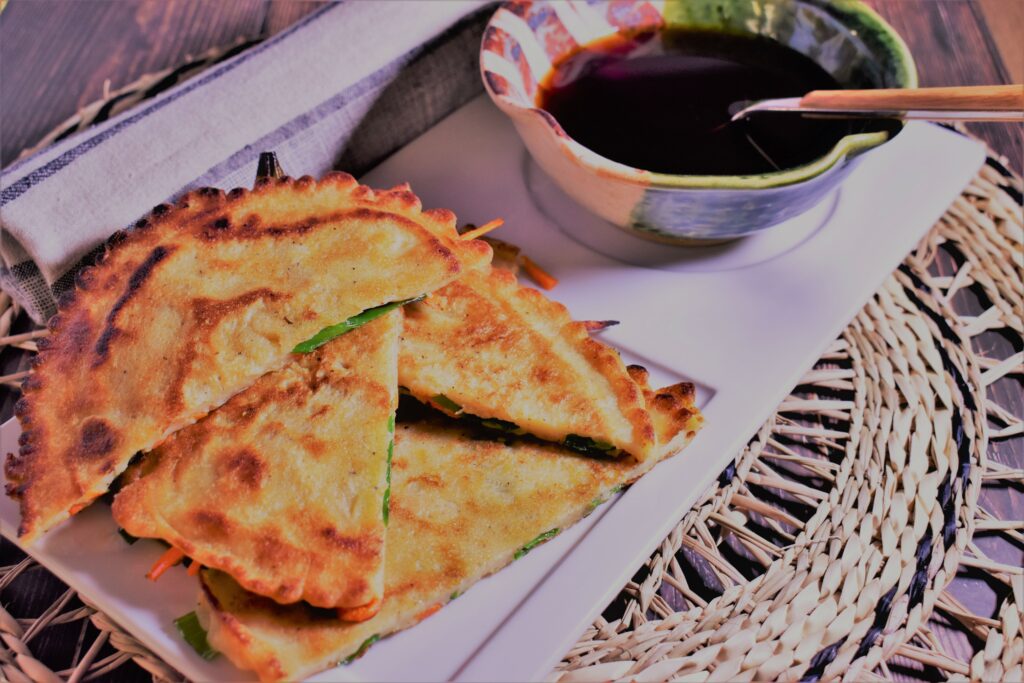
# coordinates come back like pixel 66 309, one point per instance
pixel 826 549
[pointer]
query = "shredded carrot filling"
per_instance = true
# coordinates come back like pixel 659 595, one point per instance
pixel 193 569
pixel 170 558
pixel 428 612
pixel 76 508
pixel 538 274
pixel 483 229
pixel 360 613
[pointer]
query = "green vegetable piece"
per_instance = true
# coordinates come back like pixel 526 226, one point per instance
pixel 601 500
pixel 587 446
pixel 544 537
pixel 446 403
pixel 362 649
pixel 500 425
pixel 128 538
pixel 387 491
pixel 454 595
pixel 195 635
pixel 334 331
pixel 391 454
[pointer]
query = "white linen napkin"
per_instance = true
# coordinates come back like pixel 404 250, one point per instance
pixel 341 89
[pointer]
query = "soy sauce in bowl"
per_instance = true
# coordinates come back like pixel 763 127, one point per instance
pixel 659 101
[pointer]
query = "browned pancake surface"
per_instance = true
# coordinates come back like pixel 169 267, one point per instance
pixel 195 304
pixel 501 350
pixel 461 509
pixel 283 485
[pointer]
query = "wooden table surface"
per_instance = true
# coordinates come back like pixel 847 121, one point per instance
pixel 58 55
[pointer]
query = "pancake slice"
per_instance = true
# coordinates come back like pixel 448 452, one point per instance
pixel 195 304
pixel 462 508
pixel 285 486
pixel 485 346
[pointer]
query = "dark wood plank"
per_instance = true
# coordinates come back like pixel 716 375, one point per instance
pixel 1005 20
pixel 57 56
pixel 283 13
pixel 952 45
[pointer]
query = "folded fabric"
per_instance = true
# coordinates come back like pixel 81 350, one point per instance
pixel 341 89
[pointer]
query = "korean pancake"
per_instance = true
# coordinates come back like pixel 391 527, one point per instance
pixel 487 347
pixel 462 508
pixel 285 486
pixel 197 302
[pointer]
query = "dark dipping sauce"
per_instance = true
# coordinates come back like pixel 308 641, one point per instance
pixel 659 101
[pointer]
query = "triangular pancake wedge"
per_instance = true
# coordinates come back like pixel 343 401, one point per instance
pixel 196 303
pixel 486 347
pixel 462 508
pixel 285 486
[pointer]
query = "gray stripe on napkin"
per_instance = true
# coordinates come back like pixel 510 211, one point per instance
pixel 366 122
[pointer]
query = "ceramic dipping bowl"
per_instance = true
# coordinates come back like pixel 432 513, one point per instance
pixel 849 40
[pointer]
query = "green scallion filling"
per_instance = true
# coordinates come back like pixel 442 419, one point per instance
pixel 500 425
pixel 195 635
pixel 601 500
pixel 362 649
pixel 493 423
pixel 446 403
pixel 391 452
pixel 544 537
pixel 328 333
pixel 588 446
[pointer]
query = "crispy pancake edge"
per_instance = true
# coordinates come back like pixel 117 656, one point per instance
pixel 499 288
pixel 150 505
pixel 677 421
pixel 91 302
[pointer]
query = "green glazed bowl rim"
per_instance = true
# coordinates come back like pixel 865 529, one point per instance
pixel 849 145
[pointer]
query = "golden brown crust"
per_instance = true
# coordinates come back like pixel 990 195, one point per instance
pixel 674 414
pixel 282 486
pixel 505 351
pixel 461 508
pixel 195 303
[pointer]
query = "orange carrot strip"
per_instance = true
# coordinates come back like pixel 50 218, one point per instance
pixel 483 229
pixel 193 569
pixel 362 612
pixel 76 508
pixel 170 558
pixel 429 611
pixel 538 274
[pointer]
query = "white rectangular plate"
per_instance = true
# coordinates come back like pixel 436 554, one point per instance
pixel 740 324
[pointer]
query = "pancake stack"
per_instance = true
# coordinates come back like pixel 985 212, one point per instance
pixel 252 346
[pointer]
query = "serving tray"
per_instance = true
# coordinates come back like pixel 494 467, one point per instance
pixel 743 321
